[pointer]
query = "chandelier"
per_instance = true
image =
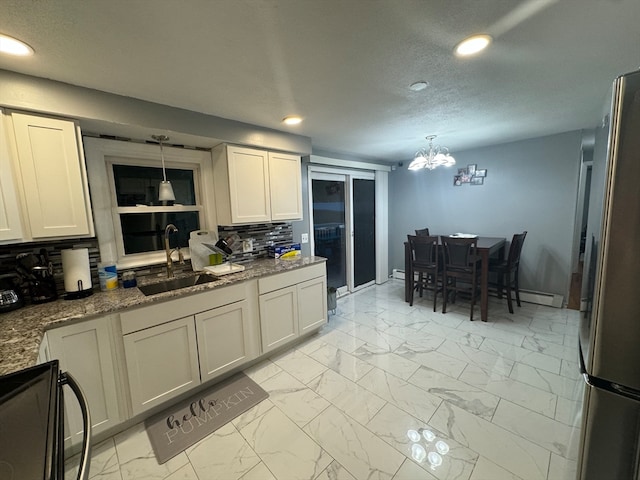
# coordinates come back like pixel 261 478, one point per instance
pixel 435 156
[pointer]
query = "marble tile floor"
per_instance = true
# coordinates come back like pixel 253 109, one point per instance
pixel 389 391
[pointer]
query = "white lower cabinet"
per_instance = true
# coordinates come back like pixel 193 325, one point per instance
pixel 292 304
pixel 166 356
pixel 162 362
pixel 130 362
pixel 278 317
pixel 86 350
pixel 223 339
pixel 312 304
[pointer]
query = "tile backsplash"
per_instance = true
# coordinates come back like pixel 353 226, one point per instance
pixel 262 236
pixel 53 248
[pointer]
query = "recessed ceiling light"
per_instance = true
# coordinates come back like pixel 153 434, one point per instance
pixel 473 44
pixel 417 86
pixel 292 120
pixel 12 46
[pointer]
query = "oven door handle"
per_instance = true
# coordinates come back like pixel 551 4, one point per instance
pixel 85 457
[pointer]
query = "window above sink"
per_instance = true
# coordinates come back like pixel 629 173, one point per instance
pixel 129 219
pixel 136 188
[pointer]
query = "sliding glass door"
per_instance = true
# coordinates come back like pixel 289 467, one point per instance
pixel 343 219
pixel 329 222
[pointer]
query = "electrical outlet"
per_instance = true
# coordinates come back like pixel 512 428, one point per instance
pixel 247 245
pixel 304 238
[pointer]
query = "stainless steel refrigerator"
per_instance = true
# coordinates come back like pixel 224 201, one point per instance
pixel 610 326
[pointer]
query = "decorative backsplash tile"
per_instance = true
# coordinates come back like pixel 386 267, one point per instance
pixel 262 236
pixel 8 255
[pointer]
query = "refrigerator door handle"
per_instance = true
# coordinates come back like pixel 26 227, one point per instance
pixel 627 392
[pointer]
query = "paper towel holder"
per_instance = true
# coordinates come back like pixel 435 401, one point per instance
pixel 77 272
pixel 80 293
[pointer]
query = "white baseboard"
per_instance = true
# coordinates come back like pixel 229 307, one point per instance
pixel 540 298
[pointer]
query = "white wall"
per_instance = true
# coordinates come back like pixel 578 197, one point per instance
pixel 530 185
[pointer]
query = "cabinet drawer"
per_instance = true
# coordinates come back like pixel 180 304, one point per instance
pixel 286 279
pixel 166 311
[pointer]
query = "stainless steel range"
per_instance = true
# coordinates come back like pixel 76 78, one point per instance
pixel 32 424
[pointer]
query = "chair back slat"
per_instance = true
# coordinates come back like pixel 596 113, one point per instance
pixel 507 271
pixel 424 250
pixel 460 269
pixel 425 270
pixel 459 252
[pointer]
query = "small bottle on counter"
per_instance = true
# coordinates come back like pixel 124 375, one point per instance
pixel 129 279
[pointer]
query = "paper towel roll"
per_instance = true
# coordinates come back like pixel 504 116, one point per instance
pixel 75 266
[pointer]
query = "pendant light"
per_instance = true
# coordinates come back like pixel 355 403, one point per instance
pixel 166 190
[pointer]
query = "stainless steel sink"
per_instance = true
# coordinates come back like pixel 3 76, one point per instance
pixel 175 284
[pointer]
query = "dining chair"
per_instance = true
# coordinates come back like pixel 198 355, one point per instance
pixel 425 261
pixel 424 232
pixel 507 271
pixel 461 272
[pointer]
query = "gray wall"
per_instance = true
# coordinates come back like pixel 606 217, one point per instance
pixel 530 185
pixel 106 113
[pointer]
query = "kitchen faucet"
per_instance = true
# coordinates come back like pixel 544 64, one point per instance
pixel 171 228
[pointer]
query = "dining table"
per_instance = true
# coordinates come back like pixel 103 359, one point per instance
pixel 487 247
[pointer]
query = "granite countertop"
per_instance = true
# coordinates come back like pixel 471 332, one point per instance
pixel 21 330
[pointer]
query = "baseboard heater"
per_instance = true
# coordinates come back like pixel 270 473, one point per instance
pixel 399 274
pixel 539 298
pixel 542 298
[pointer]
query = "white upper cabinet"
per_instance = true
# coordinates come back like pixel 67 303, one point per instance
pixel 10 226
pixel 50 177
pixel 285 184
pixel 255 186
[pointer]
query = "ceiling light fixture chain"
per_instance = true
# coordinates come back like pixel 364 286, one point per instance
pixel 434 156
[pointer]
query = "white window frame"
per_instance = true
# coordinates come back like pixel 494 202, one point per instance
pixel 101 154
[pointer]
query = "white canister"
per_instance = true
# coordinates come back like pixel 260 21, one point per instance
pixel 108 274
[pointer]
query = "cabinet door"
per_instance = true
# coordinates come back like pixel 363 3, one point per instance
pixel 285 183
pixel 278 317
pixel 249 185
pixel 84 350
pixel 222 339
pixel 162 362
pixel 10 227
pixel 312 304
pixel 52 176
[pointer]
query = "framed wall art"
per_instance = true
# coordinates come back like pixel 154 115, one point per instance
pixel 471 175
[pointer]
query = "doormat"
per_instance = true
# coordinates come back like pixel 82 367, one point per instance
pixel 189 421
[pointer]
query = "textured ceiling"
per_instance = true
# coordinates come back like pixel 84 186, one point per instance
pixel 344 65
